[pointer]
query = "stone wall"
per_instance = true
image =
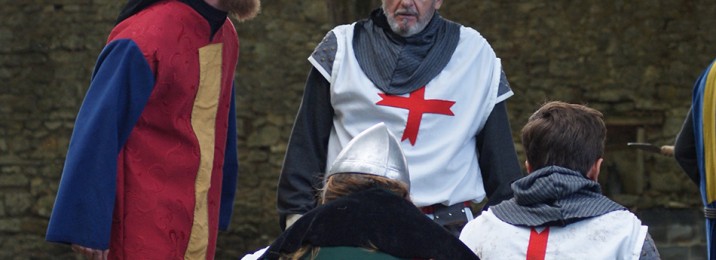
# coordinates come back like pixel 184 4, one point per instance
pixel 634 60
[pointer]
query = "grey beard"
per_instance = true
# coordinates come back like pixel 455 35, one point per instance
pixel 408 31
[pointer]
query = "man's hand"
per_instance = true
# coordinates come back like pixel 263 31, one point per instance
pixel 90 253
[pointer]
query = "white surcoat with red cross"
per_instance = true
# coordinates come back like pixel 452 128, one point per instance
pixel 615 235
pixel 437 123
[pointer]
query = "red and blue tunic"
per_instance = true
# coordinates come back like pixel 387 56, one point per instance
pixel 703 111
pixel 152 165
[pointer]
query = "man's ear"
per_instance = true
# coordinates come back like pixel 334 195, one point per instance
pixel 528 167
pixel 593 173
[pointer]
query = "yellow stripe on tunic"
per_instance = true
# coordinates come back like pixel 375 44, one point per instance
pixel 709 130
pixel 203 121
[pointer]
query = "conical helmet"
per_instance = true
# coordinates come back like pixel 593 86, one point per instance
pixel 374 151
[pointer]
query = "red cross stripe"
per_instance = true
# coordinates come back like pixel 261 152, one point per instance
pixel 537 248
pixel 417 105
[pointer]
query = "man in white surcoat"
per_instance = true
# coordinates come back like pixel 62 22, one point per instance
pixel 558 211
pixel 435 83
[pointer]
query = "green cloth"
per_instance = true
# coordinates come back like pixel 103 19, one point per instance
pixel 348 253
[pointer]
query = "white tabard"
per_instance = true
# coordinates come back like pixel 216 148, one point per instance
pixel 438 124
pixel 615 235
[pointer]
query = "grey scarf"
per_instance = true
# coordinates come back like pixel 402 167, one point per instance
pixel 554 196
pixel 399 65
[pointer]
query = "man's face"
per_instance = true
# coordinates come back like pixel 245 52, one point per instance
pixel 241 9
pixel 409 17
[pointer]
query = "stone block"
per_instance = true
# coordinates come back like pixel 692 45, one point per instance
pixel 43 206
pixel 677 233
pixel 673 252
pixel 257 156
pixel 12 225
pixel 665 182
pixel 16 179
pixel 38 187
pixel 658 233
pixel 265 136
pixel 17 203
pixel 698 252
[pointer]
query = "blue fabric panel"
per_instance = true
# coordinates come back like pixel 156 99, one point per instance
pixel 121 85
pixel 230 170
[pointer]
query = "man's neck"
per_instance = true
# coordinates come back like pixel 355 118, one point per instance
pixel 215 4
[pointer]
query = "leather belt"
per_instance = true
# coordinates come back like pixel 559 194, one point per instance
pixel 432 208
pixel 454 215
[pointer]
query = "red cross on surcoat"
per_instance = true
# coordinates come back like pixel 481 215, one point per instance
pixel 417 105
pixel 537 247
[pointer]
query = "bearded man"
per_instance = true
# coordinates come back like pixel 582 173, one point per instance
pixel 152 164
pixel 436 83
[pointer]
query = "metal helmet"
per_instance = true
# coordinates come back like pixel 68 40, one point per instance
pixel 375 151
